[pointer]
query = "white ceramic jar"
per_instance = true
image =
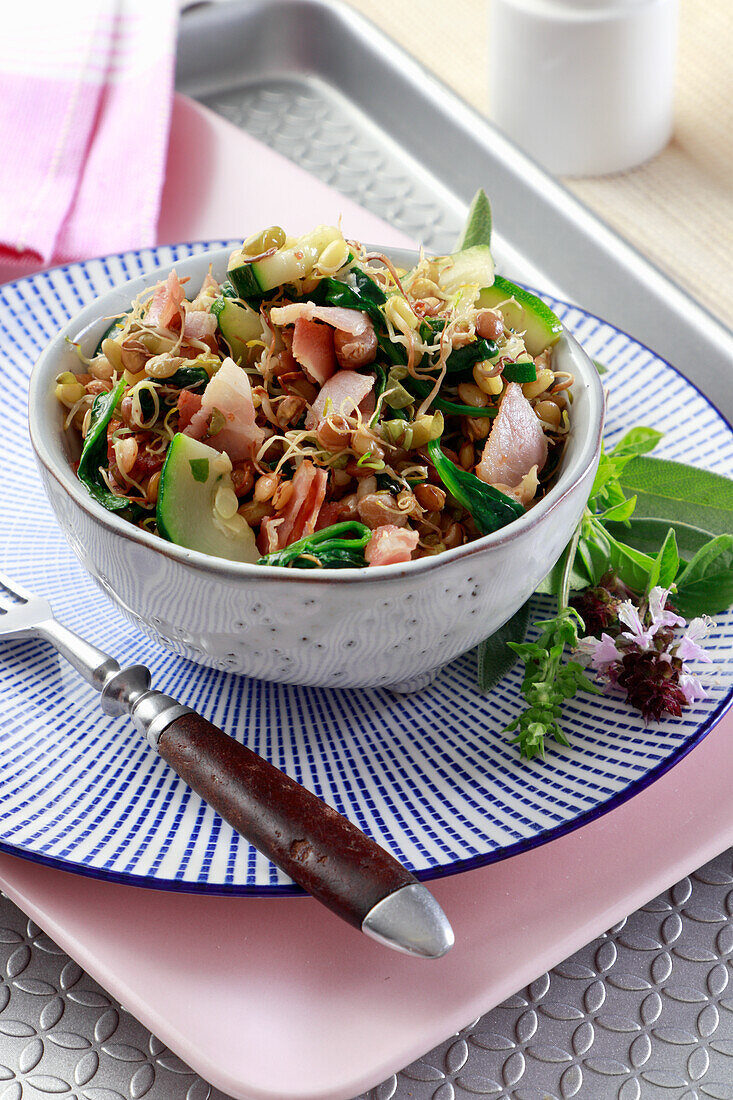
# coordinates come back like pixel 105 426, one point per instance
pixel 586 87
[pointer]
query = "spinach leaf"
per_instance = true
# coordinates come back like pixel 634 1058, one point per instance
pixel 683 494
pixel 340 546
pixel 489 508
pixel 463 359
pixel 94 453
pixel 495 658
pixel 366 295
pixel 116 323
pixel 705 586
pixel 188 378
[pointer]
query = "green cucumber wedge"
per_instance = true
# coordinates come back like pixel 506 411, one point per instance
pixel 473 266
pixel 238 324
pixel 530 315
pixel 253 280
pixel 187 515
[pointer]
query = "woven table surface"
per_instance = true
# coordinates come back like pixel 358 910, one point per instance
pixel 678 207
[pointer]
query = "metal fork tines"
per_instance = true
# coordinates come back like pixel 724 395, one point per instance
pixel 23 614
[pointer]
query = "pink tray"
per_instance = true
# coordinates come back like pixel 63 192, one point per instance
pixel 289 1001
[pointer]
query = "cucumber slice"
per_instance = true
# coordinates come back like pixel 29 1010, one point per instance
pixel 238 325
pixel 541 327
pixel 473 266
pixel 186 512
pixel 253 280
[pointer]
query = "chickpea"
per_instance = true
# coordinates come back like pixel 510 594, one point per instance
pixel 453 536
pixel 430 497
pixel 332 437
pixel 254 511
pixel 467 456
pixel 265 487
pixel 489 325
pixel 243 479
pixel 476 427
pixel 282 495
pixel 471 394
pixel 548 412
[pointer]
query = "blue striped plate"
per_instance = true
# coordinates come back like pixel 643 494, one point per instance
pixel 431 777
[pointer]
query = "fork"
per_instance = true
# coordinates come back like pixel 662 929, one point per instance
pixel 318 848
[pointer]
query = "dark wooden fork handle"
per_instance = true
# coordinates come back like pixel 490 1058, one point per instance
pixel 322 851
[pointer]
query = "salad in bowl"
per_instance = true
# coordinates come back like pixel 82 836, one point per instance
pixel 321 406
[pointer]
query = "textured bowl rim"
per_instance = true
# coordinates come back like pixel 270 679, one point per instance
pixel 62 474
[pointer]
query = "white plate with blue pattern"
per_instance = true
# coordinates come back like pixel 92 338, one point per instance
pixel 431 776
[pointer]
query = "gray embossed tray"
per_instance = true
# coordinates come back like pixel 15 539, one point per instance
pixel 322 85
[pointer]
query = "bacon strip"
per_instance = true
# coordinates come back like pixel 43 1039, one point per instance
pixel 354 321
pixel 300 515
pixel 345 391
pixel 516 442
pixel 230 393
pixel 390 545
pixel 165 306
pixel 313 347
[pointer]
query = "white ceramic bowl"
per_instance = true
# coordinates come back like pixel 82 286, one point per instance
pixel 388 626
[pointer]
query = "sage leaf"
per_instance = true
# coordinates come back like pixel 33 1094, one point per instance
pixel 647 534
pixel 673 491
pixel 495 658
pixel 705 586
pixel 666 563
pixel 477 229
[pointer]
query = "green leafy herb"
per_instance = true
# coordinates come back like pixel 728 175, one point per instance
pixel 477 227
pixel 199 469
pixel 679 493
pixel 648 535
pixel 340 546
pixel 94 454
pixel 666 564
pixel 489 508
pixel 705 586
pixel 495 658
pixel 548 683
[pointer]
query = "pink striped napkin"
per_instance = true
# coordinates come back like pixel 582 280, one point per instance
pixel 86 89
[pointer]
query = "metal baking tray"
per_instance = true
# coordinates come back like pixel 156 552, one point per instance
pixel 322 85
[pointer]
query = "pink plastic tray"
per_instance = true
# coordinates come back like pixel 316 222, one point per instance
pixel 289 1001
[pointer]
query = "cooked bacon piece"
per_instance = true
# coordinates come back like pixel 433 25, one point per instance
pixel 230 393
pixel 329 514
pixel 390 545
pixel 346 391
pixel 354 321
pixel 165 306
pixel 188 404
pixel 355 349
pixel 199 324
pixel 300 515
pixel 516 442
pixel 313 349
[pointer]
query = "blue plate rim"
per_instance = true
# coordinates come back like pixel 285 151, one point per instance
pixel 439 871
